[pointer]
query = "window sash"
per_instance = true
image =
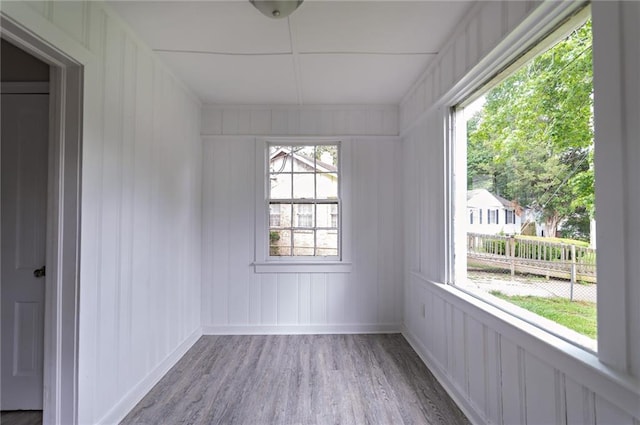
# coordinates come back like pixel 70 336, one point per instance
pixel 304 220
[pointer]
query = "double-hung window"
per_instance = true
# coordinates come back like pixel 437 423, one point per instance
pixel 492 216
pixel 509 217
pixel 304 187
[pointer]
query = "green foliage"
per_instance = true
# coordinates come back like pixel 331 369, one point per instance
pixel 567 241
pixel 577 315
pixel 577 226
pixel 274 237
pixel 330 149
pixel 532 142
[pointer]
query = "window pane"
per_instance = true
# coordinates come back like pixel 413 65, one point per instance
pixel 279 242
pixel 327 186
pixel 280 186
pixel 304 159
pixel 529 153
pixel 303 215
pixel 327 242
pixel 327 155
pixel 303 186
pixel 275 215
pixel 279 159
pixel 327 215
pixel 303 241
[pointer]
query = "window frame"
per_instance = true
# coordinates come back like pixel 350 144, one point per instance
pixel 263 261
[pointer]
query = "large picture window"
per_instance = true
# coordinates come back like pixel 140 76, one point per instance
pixel 304 188
pixel 529 144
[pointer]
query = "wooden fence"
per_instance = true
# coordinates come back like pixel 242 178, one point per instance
pixel 533 256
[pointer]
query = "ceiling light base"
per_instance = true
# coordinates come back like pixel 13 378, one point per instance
pixel 276 9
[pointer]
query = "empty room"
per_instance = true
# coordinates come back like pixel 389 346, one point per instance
pixel 320 212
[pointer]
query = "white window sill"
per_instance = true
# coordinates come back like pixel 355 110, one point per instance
pixel 302 267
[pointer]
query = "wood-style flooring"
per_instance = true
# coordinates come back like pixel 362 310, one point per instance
pixel 21 417
pixel 298 379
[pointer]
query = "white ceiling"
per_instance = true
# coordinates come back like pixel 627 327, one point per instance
pixel 326 52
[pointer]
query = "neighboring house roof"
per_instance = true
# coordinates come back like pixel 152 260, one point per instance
pixel 505 202
pixel 484 193
pixel 320 166
pixel 473 193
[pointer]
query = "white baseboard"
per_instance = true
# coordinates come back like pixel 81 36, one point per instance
pixel 133 397
pixel 300 329
pixel 463 403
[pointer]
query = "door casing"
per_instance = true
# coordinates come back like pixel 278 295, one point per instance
pixel 61 329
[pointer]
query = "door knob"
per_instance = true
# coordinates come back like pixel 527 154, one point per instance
pixel 40 272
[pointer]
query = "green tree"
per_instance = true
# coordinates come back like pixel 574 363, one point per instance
pixel 532 140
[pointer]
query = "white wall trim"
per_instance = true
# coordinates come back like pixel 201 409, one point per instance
pixel 443 378
pixel 373 328
pixel 133 397
pixel 611 152
pixel 319 266
pixel 581 366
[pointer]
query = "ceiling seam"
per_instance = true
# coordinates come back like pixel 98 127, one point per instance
pixel 372 53
pixel 296 63
pixel 203 52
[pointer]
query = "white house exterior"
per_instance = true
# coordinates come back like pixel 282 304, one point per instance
pixel 491 214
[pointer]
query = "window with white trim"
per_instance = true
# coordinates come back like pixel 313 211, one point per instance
pixel 529 141
pixel 509 217
pixel 304 186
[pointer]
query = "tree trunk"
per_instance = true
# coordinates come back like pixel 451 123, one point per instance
pixel 552 226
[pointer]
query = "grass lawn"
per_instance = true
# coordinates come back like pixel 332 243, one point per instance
pixel 577 315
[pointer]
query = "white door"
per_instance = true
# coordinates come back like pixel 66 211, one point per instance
pixel 25 123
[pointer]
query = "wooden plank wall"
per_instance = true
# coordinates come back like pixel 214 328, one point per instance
pixel 501 370
pixel 237 300
pixel 291 120
pixel 141 206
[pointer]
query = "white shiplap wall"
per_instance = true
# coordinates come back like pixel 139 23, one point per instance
pixel 237 300
pixel 501 370
pixel 141 207
pixel 291 120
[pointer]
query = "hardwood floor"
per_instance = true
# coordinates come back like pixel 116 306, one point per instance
pixel 298 379
pixel 21 417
